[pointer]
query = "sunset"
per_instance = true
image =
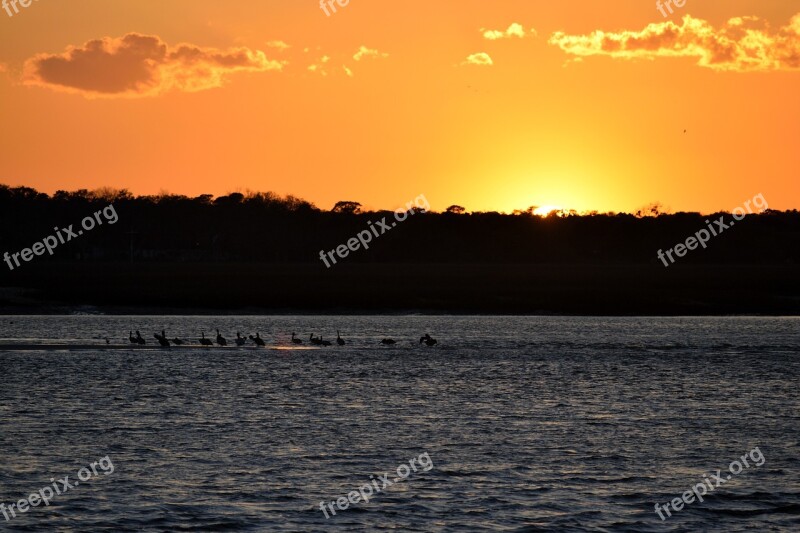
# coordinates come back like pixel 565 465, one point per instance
pixel 433 266
pixel 491 105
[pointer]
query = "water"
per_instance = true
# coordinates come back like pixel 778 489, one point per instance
pixel 530 423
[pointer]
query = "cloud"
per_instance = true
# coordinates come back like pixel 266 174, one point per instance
pixel 481 59
pixel 743 44
pixel 140 65
pixel 317 68
pixel 320 66
pixel 515 30
pixel 366 52
pixel 347 71
pixel 569 62
pixel 280 45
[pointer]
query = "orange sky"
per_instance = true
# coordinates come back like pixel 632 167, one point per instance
pixel 200 96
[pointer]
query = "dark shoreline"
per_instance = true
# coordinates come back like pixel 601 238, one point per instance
pixel 205 312
pixel 581 289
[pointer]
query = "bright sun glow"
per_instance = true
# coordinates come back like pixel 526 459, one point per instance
pixel 545 210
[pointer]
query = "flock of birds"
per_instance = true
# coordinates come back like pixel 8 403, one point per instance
pixel 163 340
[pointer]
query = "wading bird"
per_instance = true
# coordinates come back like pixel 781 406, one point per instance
pixel 240 340
pixel 162 339
pixel 428 340
pixel 204 341
pixel 257 339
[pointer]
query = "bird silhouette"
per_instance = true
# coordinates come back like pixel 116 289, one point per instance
pixel 162 339
pixel 388 342
pixel 139 339
pixel 257 339
pixel 339 339
pixel 204 341
pixel 240 340
pixel 428 340
pixel 296 341
pixel 221 340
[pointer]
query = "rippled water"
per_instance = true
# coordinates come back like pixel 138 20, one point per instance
pixel 531 423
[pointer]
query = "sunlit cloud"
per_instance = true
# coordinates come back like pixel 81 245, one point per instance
pixel 742 44
pixel 571 61
pixel 480 59
pixel 317 68
pixel 363 52
pixel 280 45
pixel 325 64
pixel 141 65
pixel 514 30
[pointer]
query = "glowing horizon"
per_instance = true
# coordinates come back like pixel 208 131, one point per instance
pixel 494 107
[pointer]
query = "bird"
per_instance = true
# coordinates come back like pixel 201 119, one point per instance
pixel 324 343
pixel 388 341
pixel 240 340
pixel 257 339
pixel 339 339
pixel 139 339
pixel 162 339
pixel 204 341
pixel 108 341
pixel 221 340
pixel 132 338
pixel 177 341
pixel 428 340
pixel 296 341
pixel 315 340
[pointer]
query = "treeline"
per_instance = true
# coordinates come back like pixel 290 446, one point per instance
pixel 264 227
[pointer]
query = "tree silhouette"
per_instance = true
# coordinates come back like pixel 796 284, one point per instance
pixel 352 208
pixel 651 210
pixel 266 227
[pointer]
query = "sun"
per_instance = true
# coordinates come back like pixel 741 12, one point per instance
pixel 545 210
